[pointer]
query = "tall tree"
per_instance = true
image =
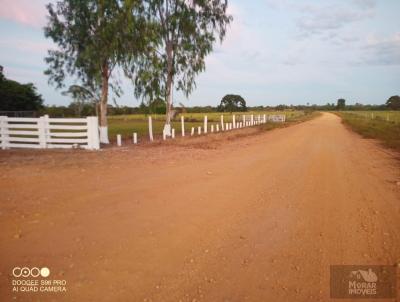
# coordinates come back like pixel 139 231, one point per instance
pixel 93 38
pixel 341 104
pixel 185 31
pixel 232 103
pixel 393 102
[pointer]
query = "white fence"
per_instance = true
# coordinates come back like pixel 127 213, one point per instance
pixel 277 118
pixel 45 132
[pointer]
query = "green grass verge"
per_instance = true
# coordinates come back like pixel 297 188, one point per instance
pixel 388 132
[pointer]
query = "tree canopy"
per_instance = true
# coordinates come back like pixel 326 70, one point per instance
pixel 185 33
pixel 93 38
pixel 341 104
pixel 15 96
pixel 232 103
pixel 393 102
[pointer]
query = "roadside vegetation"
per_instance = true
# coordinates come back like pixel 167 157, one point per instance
pixel 382 125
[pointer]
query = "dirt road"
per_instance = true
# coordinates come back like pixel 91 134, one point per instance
pixel 260 218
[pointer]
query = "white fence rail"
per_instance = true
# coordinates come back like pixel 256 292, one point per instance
pixel 45 132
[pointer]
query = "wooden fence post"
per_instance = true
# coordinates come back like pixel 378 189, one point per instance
pixel 150 129
pixel 42 132
pixel 183 125
pixel 90 133
pixel 47 131
pixel 3 132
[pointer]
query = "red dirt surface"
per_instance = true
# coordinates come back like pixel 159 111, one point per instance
pixel 259 218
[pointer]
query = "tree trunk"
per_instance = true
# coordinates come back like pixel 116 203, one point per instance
pixel 169 99
pixel 103 105
pixel 167 127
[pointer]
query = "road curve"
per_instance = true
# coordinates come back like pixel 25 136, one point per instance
pixel 260 218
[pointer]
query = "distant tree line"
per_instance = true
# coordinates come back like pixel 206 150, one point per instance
pixel 15 96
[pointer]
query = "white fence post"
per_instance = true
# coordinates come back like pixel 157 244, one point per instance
pixel 93 133
pixel 183 125
pixel 234 121
pixel 173 133
pixel 119 141
pixel 199 130
pixel 150 129
pixel 252 120
pixel 192 132
pixel 205 124
pixel 3 132
pixel 217 127
pixel 222 123
pixel 96 133
pixel 42 132
pixel 265 119
pixel 135 138
pixel 212 128
pixel 47 132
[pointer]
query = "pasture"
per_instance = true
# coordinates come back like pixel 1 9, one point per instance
pixel 127 124
pixel 382 125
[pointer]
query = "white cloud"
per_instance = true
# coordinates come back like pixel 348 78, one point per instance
pixel 319 19
pixel 379 50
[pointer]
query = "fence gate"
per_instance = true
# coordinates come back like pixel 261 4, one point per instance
pixel 45 132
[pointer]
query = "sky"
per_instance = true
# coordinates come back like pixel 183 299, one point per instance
pixel 275 52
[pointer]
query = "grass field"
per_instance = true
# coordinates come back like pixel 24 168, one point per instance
pixel 127 124
pixel 382 125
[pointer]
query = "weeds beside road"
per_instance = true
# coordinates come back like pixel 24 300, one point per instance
pixel 375 125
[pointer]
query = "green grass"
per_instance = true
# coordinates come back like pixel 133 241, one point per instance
pixel 127 124
pixel 389 116
pixel 382 125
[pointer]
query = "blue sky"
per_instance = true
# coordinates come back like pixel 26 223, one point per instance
pixel 275 52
